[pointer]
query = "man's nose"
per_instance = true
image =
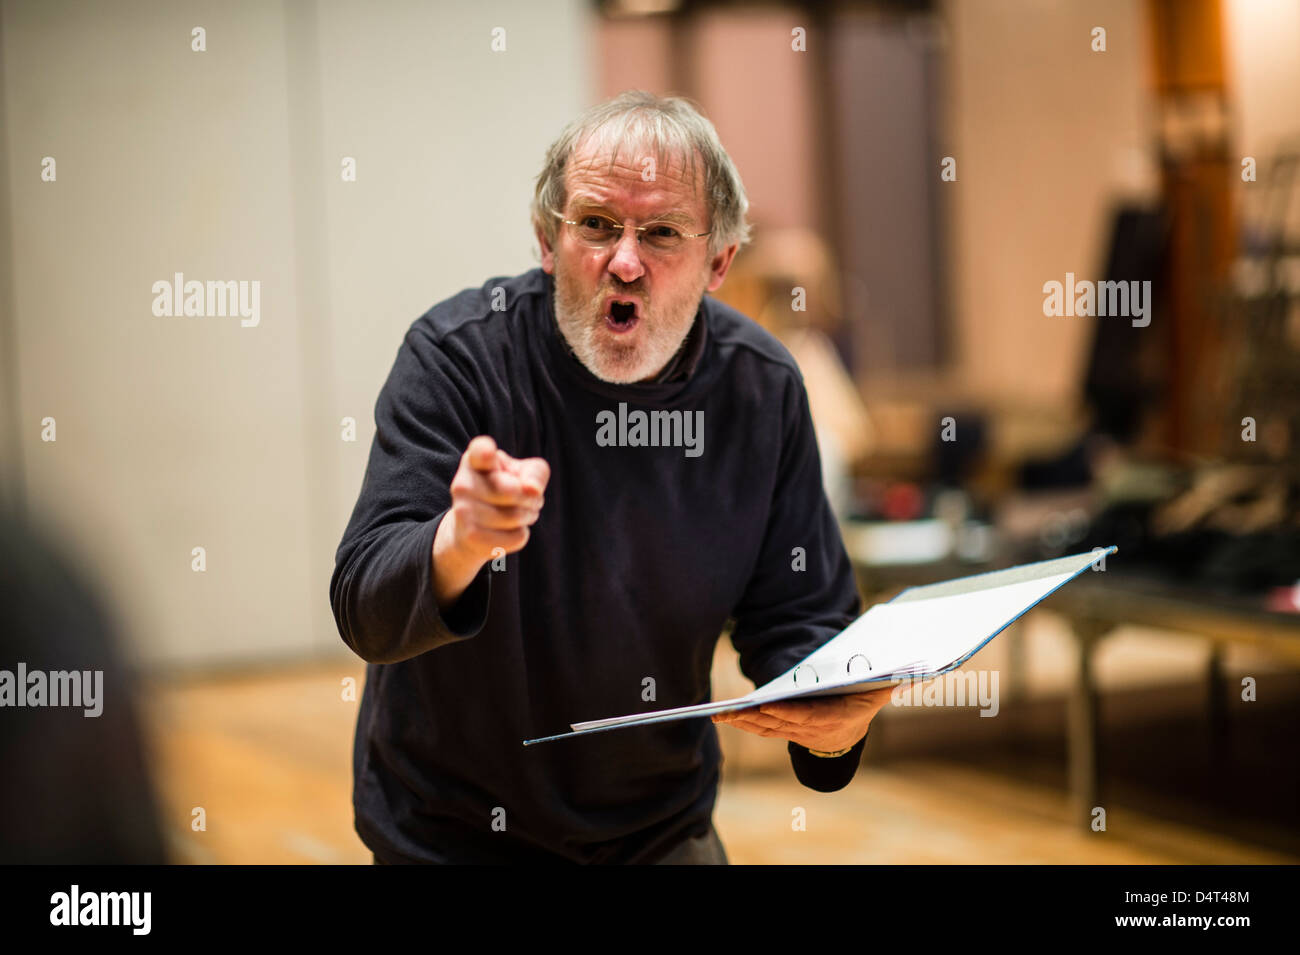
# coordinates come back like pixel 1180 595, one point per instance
pixel 626 263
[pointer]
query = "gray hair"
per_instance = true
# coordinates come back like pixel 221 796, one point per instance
pixel 670 127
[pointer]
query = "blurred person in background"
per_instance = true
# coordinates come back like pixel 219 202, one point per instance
pixel 76 784
pixel 786 280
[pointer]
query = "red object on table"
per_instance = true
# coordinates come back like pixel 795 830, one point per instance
pixel 902 502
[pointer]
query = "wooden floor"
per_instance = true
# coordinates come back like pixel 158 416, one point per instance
pixel 267 757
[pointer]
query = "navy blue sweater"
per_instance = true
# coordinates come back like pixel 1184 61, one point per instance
pixel 642 553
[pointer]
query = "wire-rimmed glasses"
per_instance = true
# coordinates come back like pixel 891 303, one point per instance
pixel 600 231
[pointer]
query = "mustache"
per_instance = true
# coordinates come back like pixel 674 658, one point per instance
pixel 635 289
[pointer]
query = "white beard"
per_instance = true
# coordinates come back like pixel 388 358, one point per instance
pixel 657 337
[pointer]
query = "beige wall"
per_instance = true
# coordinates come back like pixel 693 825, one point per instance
pixel 758 92
pixel 748 81
pixel 1263 39
pixel 634 53
pixel 181 432
pixel 1044 131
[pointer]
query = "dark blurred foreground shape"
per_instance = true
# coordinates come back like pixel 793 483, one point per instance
pixel 76 788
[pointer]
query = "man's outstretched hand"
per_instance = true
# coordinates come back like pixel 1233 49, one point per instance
pixel 495 499
pixel 828 723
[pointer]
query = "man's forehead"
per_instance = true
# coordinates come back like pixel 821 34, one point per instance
pixel 597 172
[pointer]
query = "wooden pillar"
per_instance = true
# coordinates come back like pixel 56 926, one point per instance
pixel 1196 172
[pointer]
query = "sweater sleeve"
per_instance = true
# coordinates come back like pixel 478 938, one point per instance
pixel 826 774
pixel 802 591
pixel 381 590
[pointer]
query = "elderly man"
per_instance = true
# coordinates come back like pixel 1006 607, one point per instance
pixel 579 474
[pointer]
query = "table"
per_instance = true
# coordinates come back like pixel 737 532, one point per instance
pixel 1095 604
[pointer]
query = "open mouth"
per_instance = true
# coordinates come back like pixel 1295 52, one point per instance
pixel 622 315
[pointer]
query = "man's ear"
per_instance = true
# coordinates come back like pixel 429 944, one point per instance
pixel 548 253
pixel 719 266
